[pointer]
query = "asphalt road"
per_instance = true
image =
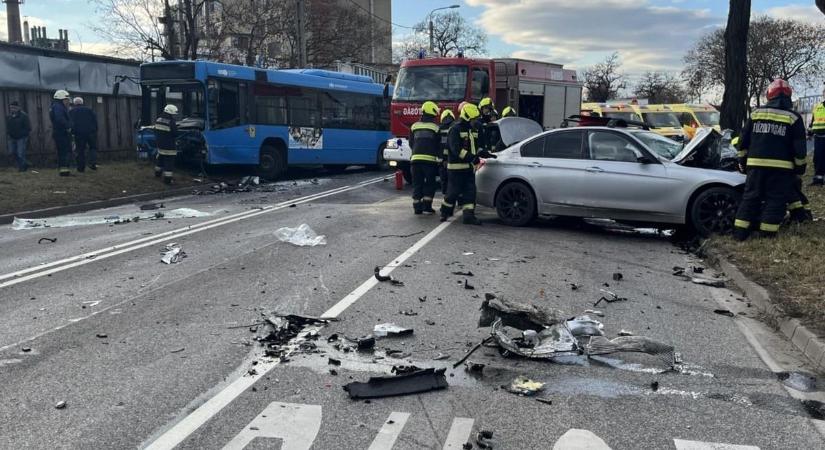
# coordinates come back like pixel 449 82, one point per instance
pixel 148 354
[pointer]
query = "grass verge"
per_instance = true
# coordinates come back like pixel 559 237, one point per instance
pixel 43 188
pixel 791 266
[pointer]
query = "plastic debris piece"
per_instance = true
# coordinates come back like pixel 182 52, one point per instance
pixel 26 349
pixel 525 386
pixel 472 366
pixel 724 312
pixel 654 386
pixel 800 381
pixel 391 329
pixel 484 439
pixel 678 271
pixel 49 240
pixel 177 350
pixel 617 276
pixel 594 312
pixel 151 206
pixel 365 343
pixel 334 362
pixel 574 287
pixel 424 380
pixel 546 401
pixel 585 326
pixel 303 236
pixel 600 345
pixel 172 254
pixel 697 269
pixel 708 282
pixel 102 335
pixel 466 274
pixel 517 315
pixel 468 286
pixel 441 356
pixel 625 333
pixel 60 405
pixel 610 298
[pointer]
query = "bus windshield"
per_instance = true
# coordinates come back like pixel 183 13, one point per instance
pixel 707 118
pixel 188 97
pixel 662 120
pixel 436 83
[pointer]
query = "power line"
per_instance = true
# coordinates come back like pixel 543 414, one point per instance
pixel 377 16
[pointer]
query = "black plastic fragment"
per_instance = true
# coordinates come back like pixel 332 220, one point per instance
pixel 50 240
pixel 617 276
pixel 365 343
pixel 466 274
pixel 151 206
pixel 468 285
pixel 724 312
pixel 408 383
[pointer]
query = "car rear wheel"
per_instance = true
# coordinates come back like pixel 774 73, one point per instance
pixel 516 204
pixel 713 211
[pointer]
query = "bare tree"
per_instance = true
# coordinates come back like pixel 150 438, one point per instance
pixel 451 33
pixel 734 100
pixel 408 47
pixel 337 31
pixel 254 31
pixel 660 87
pixel 604 80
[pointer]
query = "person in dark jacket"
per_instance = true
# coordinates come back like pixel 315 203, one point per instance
pixel 447 119
pixel 426 148
pixel 166 130
pixel 18 128
pixel 772 153
pixel 61 129
pixel 84 129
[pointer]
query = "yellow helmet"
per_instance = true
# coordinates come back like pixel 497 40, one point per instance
pixel 735 142
pixel 447 113
pixel 508 111
pixel 486 101
pixel 430 108
pixel 469 112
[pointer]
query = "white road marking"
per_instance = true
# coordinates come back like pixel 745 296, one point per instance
pixel 295 424
pixel 576 439
pixel 696 445
pixel 90 257
pixel 178 432
pixel 390 431
pixel 459 433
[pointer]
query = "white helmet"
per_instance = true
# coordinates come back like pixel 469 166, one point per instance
pixel 170 109
pixel 61 95
pixel 78 101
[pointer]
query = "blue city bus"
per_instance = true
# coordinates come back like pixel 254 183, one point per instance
pixel 269 119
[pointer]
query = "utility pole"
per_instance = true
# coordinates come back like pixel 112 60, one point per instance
pixel 302 43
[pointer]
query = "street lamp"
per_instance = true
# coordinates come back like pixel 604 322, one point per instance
pixel 430 17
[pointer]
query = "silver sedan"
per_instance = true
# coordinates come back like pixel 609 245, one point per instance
pixel 629 175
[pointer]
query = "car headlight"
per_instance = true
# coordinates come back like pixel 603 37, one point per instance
pixel 393 144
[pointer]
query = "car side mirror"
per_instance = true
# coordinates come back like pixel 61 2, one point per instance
pixel 644 160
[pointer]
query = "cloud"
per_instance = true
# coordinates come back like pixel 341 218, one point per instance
pixel 580 32
pixel 802 13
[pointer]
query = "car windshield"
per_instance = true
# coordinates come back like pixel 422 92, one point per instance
pixel 622 115
pixel 662 120
pixel 707 118
pixel 436 83
pixel 660 145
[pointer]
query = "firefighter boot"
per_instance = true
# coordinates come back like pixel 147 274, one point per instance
pixel 741 234
pixel 446 211
pixel 469 217
pixel 158 171
pixel 417 208
pixel 800 215
pixel 167 179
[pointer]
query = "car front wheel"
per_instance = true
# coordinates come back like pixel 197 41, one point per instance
pixel 713 211
pixel 516 204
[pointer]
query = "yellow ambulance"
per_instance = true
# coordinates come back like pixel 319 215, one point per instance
pixel 693 115
pixel 660 118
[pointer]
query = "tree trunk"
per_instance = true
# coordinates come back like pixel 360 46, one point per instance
pixel 734 102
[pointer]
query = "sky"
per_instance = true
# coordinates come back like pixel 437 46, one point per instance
pixel 648 34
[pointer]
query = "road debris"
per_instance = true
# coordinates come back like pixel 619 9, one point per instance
pixel 365 343
pixel 707 281
pixel 177 350
pixel 151 206
pixel 472 366
pixel 654 386
pixel 800 381
pixel 574 286
pixel 172 253
pixel 414 382
pixel 546 401
pixel 585 326
pixel 697 269
pixel 302 236
pixel 468 253
pixel 678 271
pixel 26 349
pixel 625 333
pixel 617 276
pixel 611 298
pixel 471 351
pixel 517 315
pixel 399 235
pixel 484 439
pixel 73 221
pixel 600 345
pixel 391 330
pixel 525 386
pixel 594 312
pixel 60 405
pixel 468 286
pixel 102 335
pixel 724 312
pixel 385 278
pixel 466 274
pixel 49 240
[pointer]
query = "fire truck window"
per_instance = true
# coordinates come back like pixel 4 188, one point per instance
pixel 481 84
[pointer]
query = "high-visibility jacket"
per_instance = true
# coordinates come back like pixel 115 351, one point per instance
pixel 818 120
pixel 774 138
pixel 425 140
pixel 444 133
pixel 463 150
pixel 166 130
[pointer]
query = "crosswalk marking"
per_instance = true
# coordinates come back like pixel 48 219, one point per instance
pixel 295 424
pixel 389 431
pixel 575 439
pixel 697 445
pixel 459 433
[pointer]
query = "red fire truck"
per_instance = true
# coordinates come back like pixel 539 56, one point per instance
pixel 545 92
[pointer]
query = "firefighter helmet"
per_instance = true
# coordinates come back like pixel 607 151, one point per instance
pixel 171 109
pixel 486 101
pixel 508 111
pixel 430 108
pixel 469 112
pixel 779 87
pixel 447 113
pixel 61 94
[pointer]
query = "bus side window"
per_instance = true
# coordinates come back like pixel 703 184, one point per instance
pixel 270 104
pixel 224 104
pixel 480 84
pixel 303 109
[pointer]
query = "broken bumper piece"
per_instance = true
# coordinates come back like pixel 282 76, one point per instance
pixel 406 383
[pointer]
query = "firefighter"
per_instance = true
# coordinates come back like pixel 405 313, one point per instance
pixel 772 154
pixel 464 153
pixel 447 120
pixel 61 129
pixel 817 131
pixel 508 111
pixel 166 129
pixel 425 142
pixel 488 113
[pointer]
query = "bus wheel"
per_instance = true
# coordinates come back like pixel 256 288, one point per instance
pixel 272 163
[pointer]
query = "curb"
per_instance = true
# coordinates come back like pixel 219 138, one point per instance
pixel 98 204
pixel 800 336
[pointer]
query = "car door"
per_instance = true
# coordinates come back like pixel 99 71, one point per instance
pixel 623 180
pixel 555 166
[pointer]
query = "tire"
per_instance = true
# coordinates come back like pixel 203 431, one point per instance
pixel 406 170
pixel 516 204
pixel 713 211
pixel 272 163
pixel 380 162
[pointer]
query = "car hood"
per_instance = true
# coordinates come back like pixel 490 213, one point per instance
pixel 703 151
pixel 517 129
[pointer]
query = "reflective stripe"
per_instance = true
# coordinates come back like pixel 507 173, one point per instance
pixel 167 174
pixel 64 170
pixel 772 118
pixel 739 223
pixel 768 227
pixel 423 157
pixel 446 205
pixel 795 205
pixel 462 154
pixel 774 163
pixel 800 161
pixel 424 126
pixel 467 206
pixel 742 153
pixel 162 128
pixel 158 168
pixel 166 152
pixel 416 201
pixel 458 166
pixel 426 199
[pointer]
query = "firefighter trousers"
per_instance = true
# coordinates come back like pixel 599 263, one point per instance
pixel 424 185
pixel 798 205
pixel 64 150
pixel 166 164
pixel 819 156
pixel 462 184
pixel 765 199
